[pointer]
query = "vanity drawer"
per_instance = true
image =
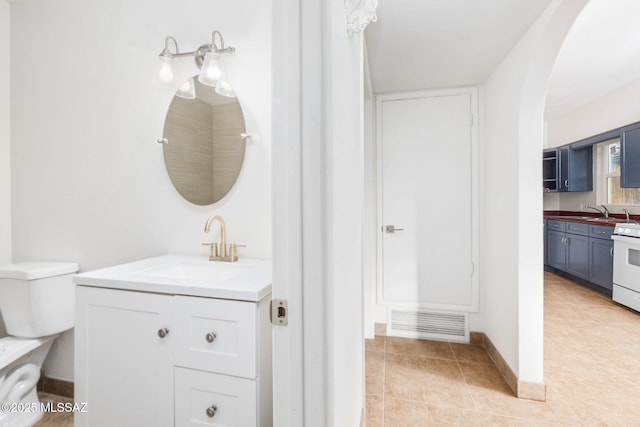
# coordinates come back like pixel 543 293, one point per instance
pixel 203 398
pixel 216 335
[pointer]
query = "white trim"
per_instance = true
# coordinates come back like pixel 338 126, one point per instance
pixel 475 177
pixel 369 234
pixel 299 377
pixel 314 288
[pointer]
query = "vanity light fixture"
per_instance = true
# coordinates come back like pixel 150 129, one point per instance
pixel 208 58
pixel 187 90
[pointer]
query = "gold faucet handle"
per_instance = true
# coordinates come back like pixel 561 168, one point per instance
pixel 214 249
pixel 233 251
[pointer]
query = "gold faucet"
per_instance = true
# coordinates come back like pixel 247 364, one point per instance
pixel 220 254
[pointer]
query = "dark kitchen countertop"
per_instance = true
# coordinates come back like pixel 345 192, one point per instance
pixel 588 218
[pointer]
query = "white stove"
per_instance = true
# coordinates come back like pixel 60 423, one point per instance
pixel 626 265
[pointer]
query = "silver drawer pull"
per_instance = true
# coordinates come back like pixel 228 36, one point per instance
pixel 211 411
pixel 163 332
pixel 211 337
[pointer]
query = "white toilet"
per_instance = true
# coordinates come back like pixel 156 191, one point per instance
pixel 37 302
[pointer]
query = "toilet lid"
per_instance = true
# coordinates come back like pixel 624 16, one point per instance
pixel 31 270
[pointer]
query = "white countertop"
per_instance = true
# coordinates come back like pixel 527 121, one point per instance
pixel 244 280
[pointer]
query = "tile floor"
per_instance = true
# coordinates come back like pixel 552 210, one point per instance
pixel 592 362
pixel 55 419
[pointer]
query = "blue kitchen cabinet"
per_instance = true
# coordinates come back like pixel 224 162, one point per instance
pixel 584 251
pixel 577 249
pixel 550 178
pixel 556 250
pixel 580 169
pixel 630 158
pixel 567 169
pixel 568 247
pixel 601 256
pixel 544 234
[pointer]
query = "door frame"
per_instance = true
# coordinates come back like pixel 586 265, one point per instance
pixel 472 91
pixel 300 385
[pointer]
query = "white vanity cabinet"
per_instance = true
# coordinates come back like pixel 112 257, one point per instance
pixel 161 359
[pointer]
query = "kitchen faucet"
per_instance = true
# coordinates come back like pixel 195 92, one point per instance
pixel 606 211
pixel 221 254
pixel 598 210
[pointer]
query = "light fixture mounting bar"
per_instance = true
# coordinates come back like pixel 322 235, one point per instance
pixel 199 53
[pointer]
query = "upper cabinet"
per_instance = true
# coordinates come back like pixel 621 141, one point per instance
pixel 567 169
pixel 550 170
pixel 630 158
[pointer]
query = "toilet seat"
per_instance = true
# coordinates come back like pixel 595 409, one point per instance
pixel 12 348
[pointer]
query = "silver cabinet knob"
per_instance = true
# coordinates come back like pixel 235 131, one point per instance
pixel 211 337
pixel 163 332
pixel 211 411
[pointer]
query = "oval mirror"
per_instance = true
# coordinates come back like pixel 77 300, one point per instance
pixel 203 149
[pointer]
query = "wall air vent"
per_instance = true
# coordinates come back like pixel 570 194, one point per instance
pixel 420 323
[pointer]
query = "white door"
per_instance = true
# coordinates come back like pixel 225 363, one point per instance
pixel 427 155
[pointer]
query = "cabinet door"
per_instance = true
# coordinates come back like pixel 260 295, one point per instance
pixel 601 262
pixel 577 255
pixel 556 249
pixel 581 169
pixel 123 368
pixel 544 234
pixel 630 158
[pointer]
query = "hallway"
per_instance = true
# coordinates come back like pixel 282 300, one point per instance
pixel 591 356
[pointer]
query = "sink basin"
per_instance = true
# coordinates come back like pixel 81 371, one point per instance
pixel 609 219
pixel 591 218
pixel 197 270
pixel 246 279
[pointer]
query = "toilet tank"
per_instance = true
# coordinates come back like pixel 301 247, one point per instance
pixel 37 298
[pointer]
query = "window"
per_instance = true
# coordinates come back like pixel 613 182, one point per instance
pixel 608 187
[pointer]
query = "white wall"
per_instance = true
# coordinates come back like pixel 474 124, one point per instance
pixel 511 207
pixel 343 218
pixel 615 109
pixel 5 169
pixel 89 183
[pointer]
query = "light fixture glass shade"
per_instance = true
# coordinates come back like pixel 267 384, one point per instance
pixel 211 70
pixel 187 90
pixel 166 73
pixel 224 88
